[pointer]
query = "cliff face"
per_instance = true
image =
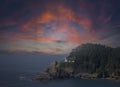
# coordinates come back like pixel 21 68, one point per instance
pixel 55 72
pixel 86 61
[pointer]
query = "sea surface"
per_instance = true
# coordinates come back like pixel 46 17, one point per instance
pixel 17 70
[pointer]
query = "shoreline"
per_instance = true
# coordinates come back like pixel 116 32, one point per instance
pixel 47 78
pixel 108 79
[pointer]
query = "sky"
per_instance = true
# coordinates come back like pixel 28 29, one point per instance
pixel 57 26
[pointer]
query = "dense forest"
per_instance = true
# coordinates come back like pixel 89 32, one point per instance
pixel 94 58
pixel 86 61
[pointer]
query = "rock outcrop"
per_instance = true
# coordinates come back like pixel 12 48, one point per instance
pixel 54 72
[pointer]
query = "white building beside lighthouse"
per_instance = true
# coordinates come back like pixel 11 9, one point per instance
pixel 70 61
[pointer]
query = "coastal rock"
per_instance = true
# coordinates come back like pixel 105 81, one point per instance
pixel 54 72
pixel 49 73
pixel 43 76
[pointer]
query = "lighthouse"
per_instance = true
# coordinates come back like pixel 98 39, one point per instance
pixel 65 60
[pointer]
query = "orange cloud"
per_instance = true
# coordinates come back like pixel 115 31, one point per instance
pixel 28 25
pixel 63 29
pixel 59 13
pixel 60 18
pixel 39 30
pixel 46 17
pixel 85 22
pixel 74 36
pixel 47 39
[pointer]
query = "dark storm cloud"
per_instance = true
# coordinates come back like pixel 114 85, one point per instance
pixel 18 11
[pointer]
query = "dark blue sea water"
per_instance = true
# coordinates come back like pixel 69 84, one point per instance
pixel 17 71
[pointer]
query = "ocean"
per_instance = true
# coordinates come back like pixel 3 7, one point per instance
pixel 17 70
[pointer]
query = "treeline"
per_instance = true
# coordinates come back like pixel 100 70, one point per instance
pixel 96 58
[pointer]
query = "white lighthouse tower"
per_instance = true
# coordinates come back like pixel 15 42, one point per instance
pixel 65 60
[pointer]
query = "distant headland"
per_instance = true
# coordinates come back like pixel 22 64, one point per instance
pixel 89 61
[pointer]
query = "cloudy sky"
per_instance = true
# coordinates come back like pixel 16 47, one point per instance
pixel 57 26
